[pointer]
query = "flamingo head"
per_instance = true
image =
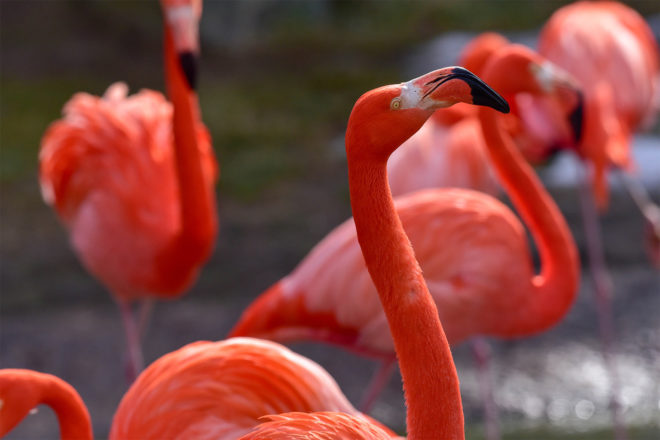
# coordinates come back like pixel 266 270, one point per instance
pixel 182 22
pixel 383 118
pixel 515 69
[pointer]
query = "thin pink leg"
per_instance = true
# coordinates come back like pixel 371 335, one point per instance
pixel 377 384
pixel 134 361
pixel 144 316
pixel 603 294
pixel 650 212
pixel 482 354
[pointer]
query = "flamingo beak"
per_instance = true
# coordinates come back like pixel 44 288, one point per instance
pixel 444 87
pixel 182 20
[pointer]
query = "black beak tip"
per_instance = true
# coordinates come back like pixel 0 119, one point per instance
pixel 482 94
pixel 188 61
pixel 500 106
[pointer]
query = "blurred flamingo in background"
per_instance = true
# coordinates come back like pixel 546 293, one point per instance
pixel 220 390
pixel 611 51
pixel 472 249
pixel 22 390
pixel 133 179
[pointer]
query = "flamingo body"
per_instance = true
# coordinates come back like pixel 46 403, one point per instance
pixel 219 390
pixel 108 168
pixel 487 276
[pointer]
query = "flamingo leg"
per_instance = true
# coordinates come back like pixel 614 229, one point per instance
pixel 134 362
pixel 482 355
pixel 378 382
pixel 602 288
pixel 650 212
pixel 144 316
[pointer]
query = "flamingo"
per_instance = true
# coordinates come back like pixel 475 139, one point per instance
pixel 219 390
pixel 611 51
pixel 470 246
pixel 379 123
pixel 22 390
pixel 132 178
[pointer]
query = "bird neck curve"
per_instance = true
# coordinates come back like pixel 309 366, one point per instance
pixel 556 285
pixel 431 385
pixel 34 389
pixel 194 242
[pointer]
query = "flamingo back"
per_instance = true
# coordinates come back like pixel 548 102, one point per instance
pixel 481 276
pixel 318 426
pixel 219 390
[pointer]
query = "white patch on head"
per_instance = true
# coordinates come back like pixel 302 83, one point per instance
pixel 412 97
pixel 545 74
pixel 180 12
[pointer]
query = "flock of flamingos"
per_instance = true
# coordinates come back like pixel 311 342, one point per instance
pixel 132 178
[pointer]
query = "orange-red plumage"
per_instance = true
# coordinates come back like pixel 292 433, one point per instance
pixel 220 390
pixel 317 426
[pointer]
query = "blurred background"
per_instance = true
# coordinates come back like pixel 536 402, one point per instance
pixel 278 80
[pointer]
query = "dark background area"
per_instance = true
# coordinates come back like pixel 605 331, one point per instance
pixel 278 81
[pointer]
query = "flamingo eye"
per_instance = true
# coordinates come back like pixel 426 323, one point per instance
pixel 395 104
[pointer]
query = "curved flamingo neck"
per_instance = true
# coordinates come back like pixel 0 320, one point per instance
pixel 427 368
pixel 199 223
pixel 69 408
pixel 556 285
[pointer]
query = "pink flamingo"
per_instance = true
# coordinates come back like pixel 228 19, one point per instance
pixel 611 52
pixel 132 178
pixel 470 246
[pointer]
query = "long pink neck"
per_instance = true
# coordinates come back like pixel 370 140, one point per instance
pixel 38 388
pixel 555 287
pixel 199 222
pixel 427 368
